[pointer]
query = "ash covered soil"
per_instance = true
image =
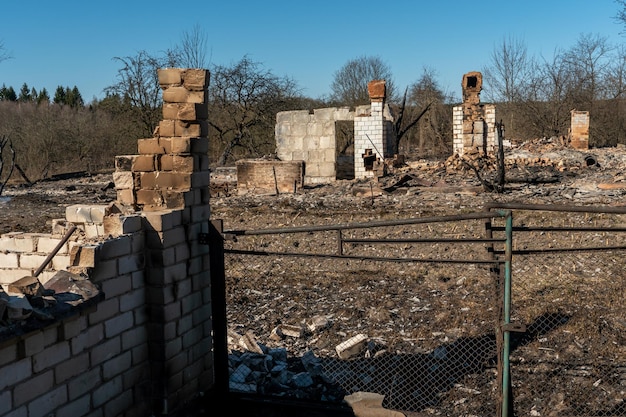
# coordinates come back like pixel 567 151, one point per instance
pixel 572 358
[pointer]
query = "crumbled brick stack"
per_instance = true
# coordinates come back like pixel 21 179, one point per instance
pixel 171 170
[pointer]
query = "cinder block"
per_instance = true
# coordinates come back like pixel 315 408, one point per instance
pixel 105 351
pixel 143 163
pixel 8 260
pixel 118 224
pixel 71 367
pixel 126 197
pixel 84 383
pixel 167 128
pixel 170 76
pixel 91 335
pixel 118 324
pixel 198 128
pixel 181 145
pixel 15 372
pixel 31 260
pixel 124 162
pixel 185 111
pixel 151 197
pixel 115 248
pixel 152 146
pixel 18 242
pixel 117 365
pixel 124 180
pixel 196 79
pixel 36 386
pixel 51 356
pixel 163 221
pixel 84 255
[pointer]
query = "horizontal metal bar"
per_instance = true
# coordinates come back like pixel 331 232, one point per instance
pixel 555 207
pixel 443 240
pixel 380 223
pixel 552 250
pixel 362 258
pixel 560 229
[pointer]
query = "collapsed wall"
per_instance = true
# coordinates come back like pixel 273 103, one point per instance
pixel 145 346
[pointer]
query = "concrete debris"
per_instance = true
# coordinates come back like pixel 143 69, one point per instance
pixel 369 404
pixel 351 347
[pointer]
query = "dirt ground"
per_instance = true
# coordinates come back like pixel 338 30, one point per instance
pixel 539 172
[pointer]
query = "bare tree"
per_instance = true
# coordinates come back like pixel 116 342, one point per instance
pixel 589 60
pixel 4 55
pixel 349 86
pixel 426 108
pixel 508 73
pixel 138 83
pixel 243 102
pixel 550 97
pixel 5 174
pixel 193 48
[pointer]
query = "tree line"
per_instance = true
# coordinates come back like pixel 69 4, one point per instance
pixel 533 97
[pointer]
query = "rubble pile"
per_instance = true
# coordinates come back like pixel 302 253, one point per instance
pixel 27 304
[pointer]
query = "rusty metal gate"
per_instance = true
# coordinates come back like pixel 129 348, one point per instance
pixel 423 311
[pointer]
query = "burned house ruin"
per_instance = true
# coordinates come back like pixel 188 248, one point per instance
pixel 323 146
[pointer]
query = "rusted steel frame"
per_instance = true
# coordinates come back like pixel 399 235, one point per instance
pixel 553 250
pixel 561 229
pixel 451 240
pixel 555 207
pixel 367 225
pixel 360 258
pixel 55 251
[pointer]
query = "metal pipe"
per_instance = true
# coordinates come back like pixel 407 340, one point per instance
pixel 472 240
pixel 356 257
pixel 55 251
pixel 555 207
pixel 381 223
pixel 561 229
pixel 506 381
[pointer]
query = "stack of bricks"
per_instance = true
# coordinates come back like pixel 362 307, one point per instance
pixel 172 168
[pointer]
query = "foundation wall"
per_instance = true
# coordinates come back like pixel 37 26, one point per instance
pixel 269 177
pixel 145 348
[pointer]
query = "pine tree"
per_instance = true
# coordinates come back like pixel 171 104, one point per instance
pixel 59 96
pixel 24 93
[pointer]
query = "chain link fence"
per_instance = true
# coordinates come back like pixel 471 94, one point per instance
pixel 382 317
pixel 402 311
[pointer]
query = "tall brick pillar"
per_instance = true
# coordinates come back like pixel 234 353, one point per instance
pixel 168 183
pixel 473 125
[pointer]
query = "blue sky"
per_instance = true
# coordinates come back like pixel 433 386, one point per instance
pixel 73 43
